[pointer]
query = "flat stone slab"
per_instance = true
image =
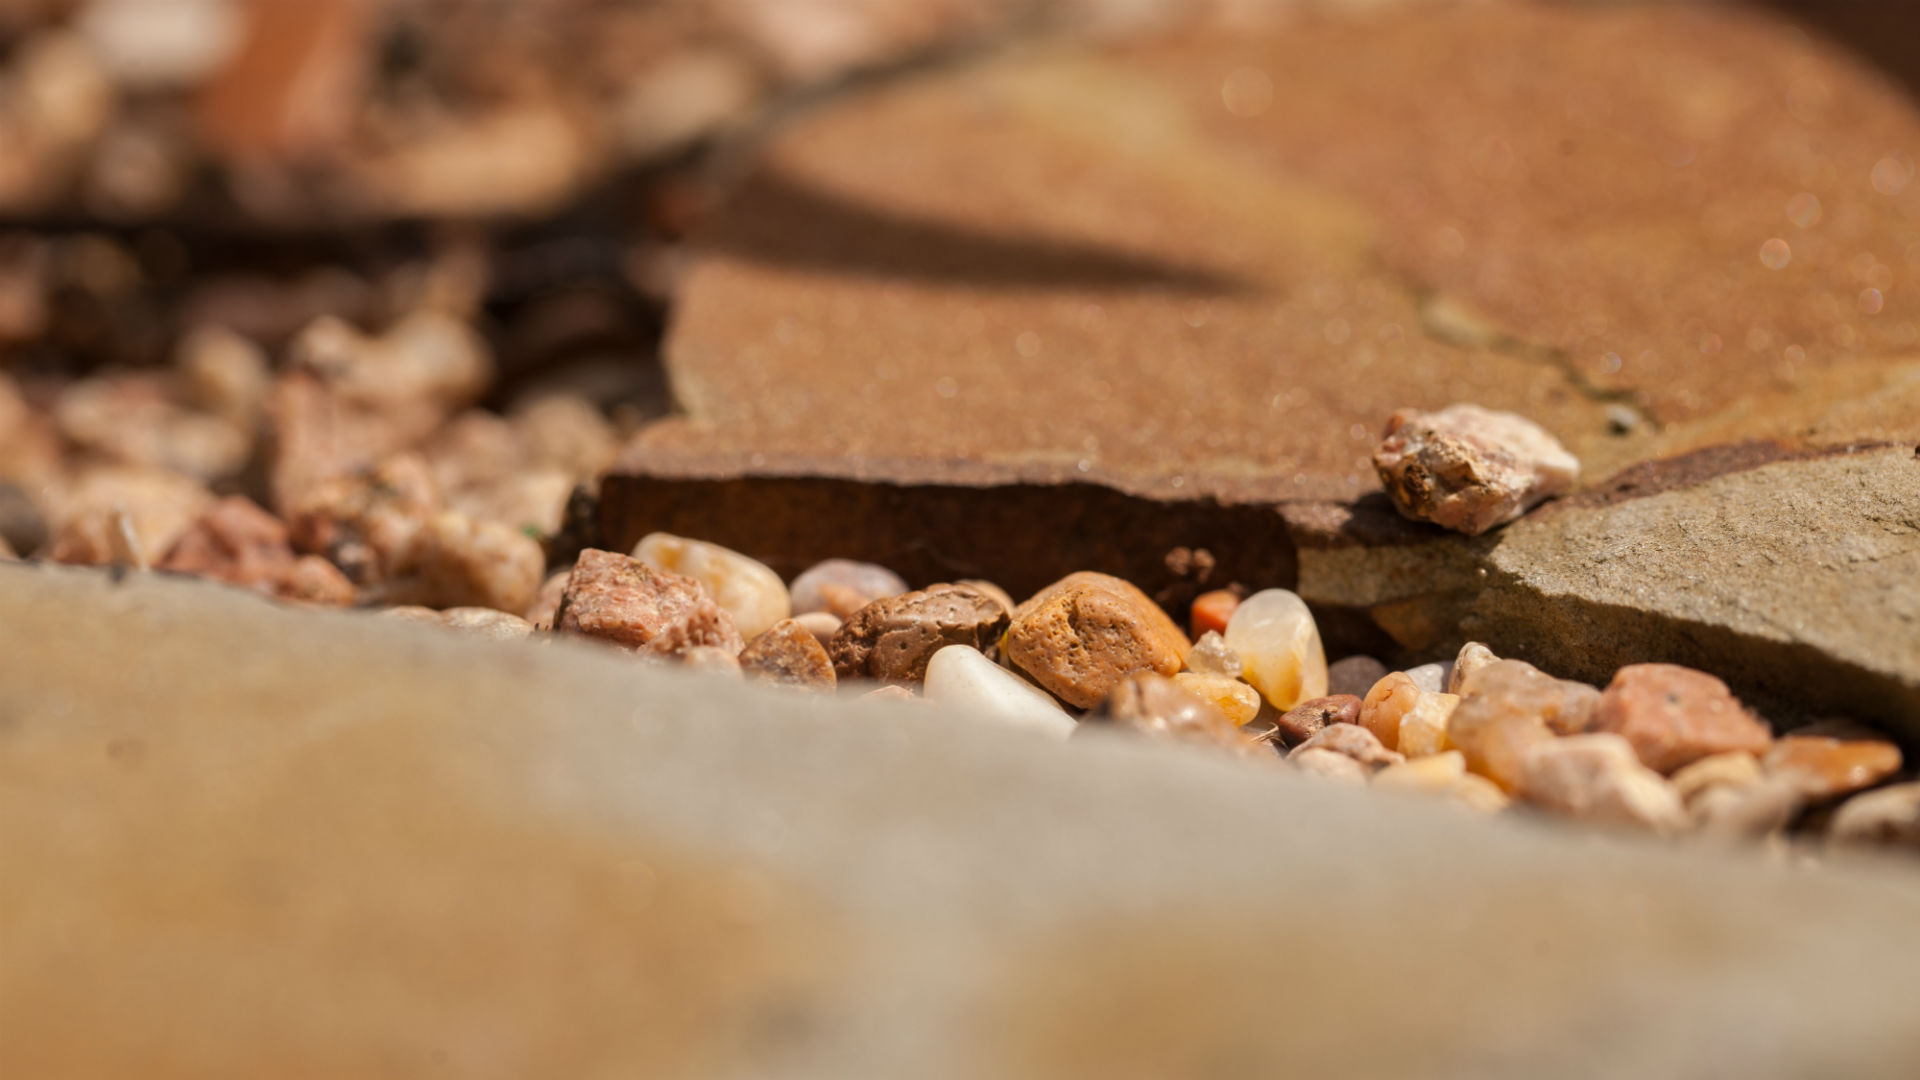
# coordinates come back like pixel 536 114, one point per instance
pixel 247 841
pixel 1097 307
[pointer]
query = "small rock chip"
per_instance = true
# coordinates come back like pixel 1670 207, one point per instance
pixel 841 587
pixel 1084 633
pixel 1889 817
pixel 452 560
pixel 1735 768
pixel 622 600
pixel 1508 706
pixel 820 624
pixel 487 623
pixel 1434 775
pixel 1599 778
pixel 1333 766
pixel 710 659
pixel 1749 811
pixel 1212 611
pixel 1423 728
pixel 1391 699
pixel 1469 469
pixel 749 591
pixel 891 640
pixel 236 542
pixel 547 601
pixel 1828 760
pixel 1355 742
pixel 1152 704
pixel 1307 719
pixel 1674 716
pixel 963 677
pixel 1279 647
pixel 1431 678
pixel 788 655
pixel 1473 656
pixel 1356 675
pixel 1211 655
pixel 1240 702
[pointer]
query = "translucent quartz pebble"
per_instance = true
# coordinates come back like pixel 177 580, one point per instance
pixel 747 590
pixel 1279 647
pixel 1211 655
pixel 963 677
pixel 1239 702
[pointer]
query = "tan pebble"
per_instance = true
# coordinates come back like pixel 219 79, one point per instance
pixel 412 613
pixel 133 419
pixel 710 659
pixel 995 591
pixel 890 693
pixel 1674 715
pixel 622 600
pixel 1430 678
pixel 487 623
pixel 841 587
pixel 1435 774
pixel 567 432
pixel 1211 655
pixel 1830 760
pixel 1469 469
pixel 1355 742
pixel 891 640
pixel 1473 656
pixel 1152 704
pixel 749 591
pixel 223 373
pixel 313 580
pixel 1599 778
pixel 364 523
pixel 1304 720
pixel 1888 817
pixel 1240 702
pixel 235 541
pixel 1736 768
pixel 1079 637
pixel 1745 811
pixel 1479 793
pixel 1355 675
pixel 820 624
pixel 121 514
pixel 547 601
pixel 1279 647
pixel 455 561
pixel 1423 728
pixel 1327 763
pixel 1390 700
pixel 788 655
pixel 1506 708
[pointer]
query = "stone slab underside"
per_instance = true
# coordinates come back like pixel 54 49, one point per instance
pixel 247 842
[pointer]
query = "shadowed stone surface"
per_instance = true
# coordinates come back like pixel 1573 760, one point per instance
pixel 244 841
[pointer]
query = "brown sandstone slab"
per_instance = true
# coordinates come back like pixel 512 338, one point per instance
pixel 1129 298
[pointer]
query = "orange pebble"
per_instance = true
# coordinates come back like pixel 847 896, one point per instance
pixel 1212 610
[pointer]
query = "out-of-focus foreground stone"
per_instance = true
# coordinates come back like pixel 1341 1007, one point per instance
pixel 242 841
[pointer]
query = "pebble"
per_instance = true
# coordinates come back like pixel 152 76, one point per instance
pixel 1734 811
pixel 710 660
pixel 1887 817
pixel 1443 774
pixel 1828 760
pixel 1431 678
pixel 788 654
pixel 750 592
pixel 1508 706
pixel 1735 768
pixel 1423 728
pixel 1238 701
pixel 452 560
pixel 820 624
pixel 889 693
pixel 235 541
pixel 1211 655
pixel 1356 675
pixel 1333 766
pixel 547 600
pixel 487 623
pixel 364 523
pixel 411 613
pixel 1355 742
pixel 313 580
pixel 1391 699
pixel 1309 718
pixel 622 600
pixel 1279 647
pixel 995 591
pixel 1152 704
pixel 841 587
pixel 1599 778
pixel 1211 611
pixel 1084 633
pixel 891 640
pixel 1473 656
pixel 963 677
pixel 1674 716
pixel 1469 469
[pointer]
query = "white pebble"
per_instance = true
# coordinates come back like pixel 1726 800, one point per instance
pixel 750 592
pixel 1279 647
pixel 1430 678
pixel 964 677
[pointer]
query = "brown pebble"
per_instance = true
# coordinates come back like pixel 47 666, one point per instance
pixel 1152 704
pixel 1081 635
pixel 1674 716
pixel 1354 675
pixel 622 600
pixel 1469 469
pixel 1355 742
pixel 1304 720
pixel 313 580
pixel 1599 778
pixel 1827 760
pixel 788 655
pixel 1508 706
pixel 235 541
pixel 891 640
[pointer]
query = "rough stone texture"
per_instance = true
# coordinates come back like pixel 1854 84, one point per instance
pixel 1469 469
pixel 1304 721
pixel 891 640
pixel 453 560
pixel 1675 716
pixel 622 600
pixel 1211 655
pixel 1598 778
pixel 1355 742
pixel 750 592
pixel 1152 704
pixel 1329 765
pixel 440 840
pixel 1084 633
pixel 788 654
